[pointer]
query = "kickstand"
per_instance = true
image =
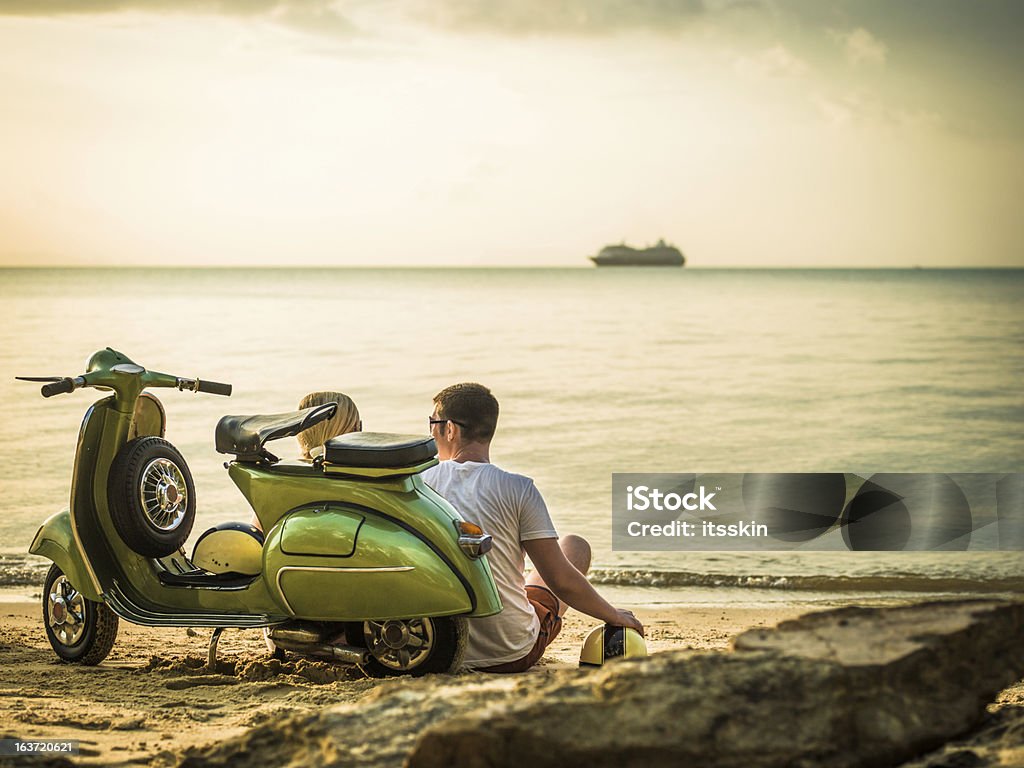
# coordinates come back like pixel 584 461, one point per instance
pixel 211 659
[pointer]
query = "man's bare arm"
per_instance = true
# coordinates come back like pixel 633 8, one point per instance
pixel 572 587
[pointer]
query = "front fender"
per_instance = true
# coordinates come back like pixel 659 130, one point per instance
pixel 55 541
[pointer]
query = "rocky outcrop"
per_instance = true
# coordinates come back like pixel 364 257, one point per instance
pixel 851 687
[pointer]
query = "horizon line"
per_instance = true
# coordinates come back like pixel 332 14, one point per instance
pixel 588 267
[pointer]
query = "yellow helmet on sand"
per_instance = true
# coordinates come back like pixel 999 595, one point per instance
pixel 609 642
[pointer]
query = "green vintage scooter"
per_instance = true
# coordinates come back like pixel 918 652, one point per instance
pixel 362 562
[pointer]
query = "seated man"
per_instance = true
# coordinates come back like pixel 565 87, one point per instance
pixel 510 508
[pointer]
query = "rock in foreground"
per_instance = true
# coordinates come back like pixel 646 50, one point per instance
pixel 851 687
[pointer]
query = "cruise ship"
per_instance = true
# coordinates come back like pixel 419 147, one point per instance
pixel 622 255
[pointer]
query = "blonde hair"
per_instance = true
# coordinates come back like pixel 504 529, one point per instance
pixel 345 419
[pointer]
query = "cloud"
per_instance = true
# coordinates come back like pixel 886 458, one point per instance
pixel 775 62
pixel 319 17
pixel 855 106
pixel 861 47
pixel 860 107
pixel 583 17
pixel 500 17
pixel 322 18
pixel 576 17
pixel 507 17
pixel 838 112
pixel 59 7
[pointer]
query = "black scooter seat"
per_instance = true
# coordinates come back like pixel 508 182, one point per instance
pixel 379 450
pixel 245 436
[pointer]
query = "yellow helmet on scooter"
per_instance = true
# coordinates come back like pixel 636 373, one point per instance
pixel 609 642
pixel 230 548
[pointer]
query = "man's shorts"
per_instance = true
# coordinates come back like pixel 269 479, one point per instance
pixel 545 604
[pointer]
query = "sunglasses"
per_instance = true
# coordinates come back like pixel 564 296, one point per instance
pixel 432 421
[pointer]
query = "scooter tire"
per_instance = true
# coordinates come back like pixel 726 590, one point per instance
pixel 146 511
pixel 86 644
pixel 450 634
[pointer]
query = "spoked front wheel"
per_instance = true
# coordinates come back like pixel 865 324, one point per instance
pixel 79 630
pixel 415 646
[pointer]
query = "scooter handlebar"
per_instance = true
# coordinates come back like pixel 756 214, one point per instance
pixel 61 387
pixel 192 385
pixel 213 388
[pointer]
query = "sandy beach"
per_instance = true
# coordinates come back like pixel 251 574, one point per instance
pixel 153 701
pixel 152 698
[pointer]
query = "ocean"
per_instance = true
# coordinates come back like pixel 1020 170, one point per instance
pixel 597 371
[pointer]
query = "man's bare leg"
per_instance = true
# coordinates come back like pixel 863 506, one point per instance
pixel 577 551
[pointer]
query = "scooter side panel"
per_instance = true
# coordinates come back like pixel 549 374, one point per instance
pixel 407 501
pixel 390 574
pixel 322 530
pixel 55 541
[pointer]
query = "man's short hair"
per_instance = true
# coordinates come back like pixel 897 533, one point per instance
pixel 472 406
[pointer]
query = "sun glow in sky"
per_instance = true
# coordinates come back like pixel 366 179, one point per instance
pixel 464 132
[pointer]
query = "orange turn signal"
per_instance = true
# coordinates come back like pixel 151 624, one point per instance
pixel 472 539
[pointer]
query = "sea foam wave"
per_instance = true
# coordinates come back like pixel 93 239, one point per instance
pixel 896 582
pixel 18 572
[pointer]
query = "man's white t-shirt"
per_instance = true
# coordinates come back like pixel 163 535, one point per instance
pixel 510 508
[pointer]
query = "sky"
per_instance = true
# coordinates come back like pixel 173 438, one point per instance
pixel 820 133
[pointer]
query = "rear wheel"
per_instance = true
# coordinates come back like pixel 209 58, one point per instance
pixel 152 497
pixel 414 646
pixel 79 630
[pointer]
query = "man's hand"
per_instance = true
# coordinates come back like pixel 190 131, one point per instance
pixel 627 619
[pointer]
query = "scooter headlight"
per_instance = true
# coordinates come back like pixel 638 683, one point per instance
pixel 472 539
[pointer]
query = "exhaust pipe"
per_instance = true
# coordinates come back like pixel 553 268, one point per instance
pixel 309 639
pixel 348 654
